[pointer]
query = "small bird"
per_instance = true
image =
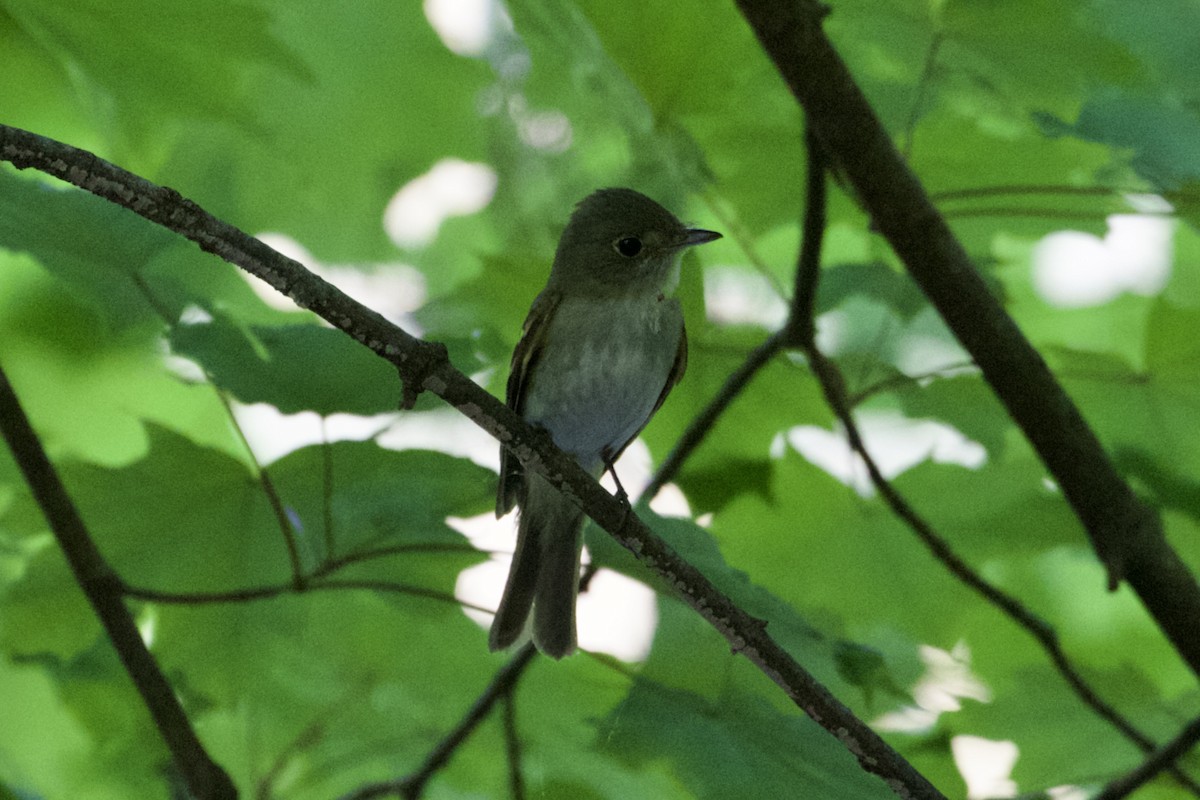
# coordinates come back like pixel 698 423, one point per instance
pixel 601 348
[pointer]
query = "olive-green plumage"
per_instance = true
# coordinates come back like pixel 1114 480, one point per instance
pixel 601 348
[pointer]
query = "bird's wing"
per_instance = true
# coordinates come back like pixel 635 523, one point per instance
pixel 524 361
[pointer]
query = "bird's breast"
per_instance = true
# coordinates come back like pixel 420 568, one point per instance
pixel 602 369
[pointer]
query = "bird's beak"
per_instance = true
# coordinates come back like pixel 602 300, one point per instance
pixel 696 236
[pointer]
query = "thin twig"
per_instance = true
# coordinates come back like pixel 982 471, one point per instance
pixel 306 738
pixel 855 399
pixel 286 529
pixel 512 741
pixel 976 192
pixel 733 229
pixel 923 84
pixel 411 786
pixel 264 478
pixel 100 583
pixel 253 593
pixel 1018 212
pixel 1162 759
pixel 333 564
pixel 801 323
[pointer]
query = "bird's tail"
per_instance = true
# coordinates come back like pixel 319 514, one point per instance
pixel 544 574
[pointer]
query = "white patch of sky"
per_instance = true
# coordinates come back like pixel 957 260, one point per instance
pixel 1073 269
pixel 451 188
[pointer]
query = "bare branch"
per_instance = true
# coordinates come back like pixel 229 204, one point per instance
pixel 802 325
pixel 411 786
pixel 254 593
pixel 205 779
pixel 512 740
pixel 1125 533
pixel 703 422
pixel 1161 759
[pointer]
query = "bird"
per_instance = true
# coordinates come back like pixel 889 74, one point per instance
pixel 601 348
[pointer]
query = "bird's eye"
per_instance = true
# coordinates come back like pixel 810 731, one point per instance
pixel 628 246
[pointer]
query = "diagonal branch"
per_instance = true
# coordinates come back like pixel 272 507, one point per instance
pixel 411 786
pixel 831 380
pixel 264 478
pixel 512 742
pixel 424 366
pixel 703 422
pixel 1125 533
pixel 205 779
pixel 801 325
pixel 1162 759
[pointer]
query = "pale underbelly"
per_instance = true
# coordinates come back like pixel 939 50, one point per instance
pixel 603 392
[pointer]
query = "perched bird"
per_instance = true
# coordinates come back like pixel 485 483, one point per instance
pixel 601 348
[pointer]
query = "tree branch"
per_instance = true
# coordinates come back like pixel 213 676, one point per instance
pixel 255 593
pixel 411 786
pixel 1161 759
pixel 801 330
pixel 1125 533
pixel 801 324
pixel 700 426
pixel 512 741
pixel 832 383
pixel 424 366
pixel 204 778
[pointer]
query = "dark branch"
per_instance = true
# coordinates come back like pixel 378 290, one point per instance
pixel 830 378
pixel 411 786
pixel 801 324
pixel 512 741
pixel 255 593
pixel 700 426
pixel 1125 533
pixel 1160 760
pixel 205 779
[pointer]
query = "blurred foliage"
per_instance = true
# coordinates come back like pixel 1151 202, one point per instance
pixel 303 119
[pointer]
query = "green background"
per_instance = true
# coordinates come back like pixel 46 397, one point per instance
pixel 303 119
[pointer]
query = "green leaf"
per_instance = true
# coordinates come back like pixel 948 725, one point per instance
pixel 41 737
pixel 382 497
pixel 1186 201
pixel 1160 132
pixel 964 402
pixel 163 61
pixel 1002 508
pixel 713 487
pixel 329 148
pixel 294 368
pixel 204 512
pixel 99 261
pixel 736 746
pixel 127 270
pixel 873 280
